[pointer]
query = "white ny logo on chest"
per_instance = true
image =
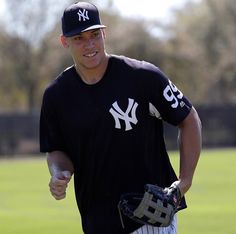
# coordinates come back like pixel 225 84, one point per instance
pixel 118 114
pixel 83 15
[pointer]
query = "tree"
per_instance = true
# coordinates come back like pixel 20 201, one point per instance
pixel 9 92
pixel 221 48
pixel 29 24
pixel 202 50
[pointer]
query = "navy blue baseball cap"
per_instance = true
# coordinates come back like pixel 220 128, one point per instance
pixel 80 17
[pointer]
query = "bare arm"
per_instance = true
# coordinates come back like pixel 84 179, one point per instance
pixel 61 170
pixel 190 142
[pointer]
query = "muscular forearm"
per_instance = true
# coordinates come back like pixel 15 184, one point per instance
pixel 59 161
pixel 190 146
pixel 61 170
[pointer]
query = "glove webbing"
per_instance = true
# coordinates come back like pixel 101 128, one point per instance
pixel 152 209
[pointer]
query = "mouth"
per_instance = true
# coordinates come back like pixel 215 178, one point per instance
pixel 91 55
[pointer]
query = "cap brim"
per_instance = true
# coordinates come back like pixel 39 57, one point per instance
pixel 78 31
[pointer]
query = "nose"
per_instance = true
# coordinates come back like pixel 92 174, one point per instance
pixel 89 43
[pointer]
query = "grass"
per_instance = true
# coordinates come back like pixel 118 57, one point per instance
pixel 26 205
pixel 211 200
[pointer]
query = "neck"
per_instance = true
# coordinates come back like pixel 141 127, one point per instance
pixel 93 75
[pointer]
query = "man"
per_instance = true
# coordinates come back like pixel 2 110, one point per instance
pixel 101 121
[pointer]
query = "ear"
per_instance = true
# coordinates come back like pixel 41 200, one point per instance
pixel 64 41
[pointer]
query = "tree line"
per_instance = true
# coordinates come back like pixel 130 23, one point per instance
pixel 196 49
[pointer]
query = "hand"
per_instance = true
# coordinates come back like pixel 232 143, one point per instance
pixel 183 185
pixel 59 183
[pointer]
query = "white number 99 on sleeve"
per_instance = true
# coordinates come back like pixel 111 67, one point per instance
pixel 172 94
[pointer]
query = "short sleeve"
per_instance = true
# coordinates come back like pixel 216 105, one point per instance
pixel 169 101
pixel 50 135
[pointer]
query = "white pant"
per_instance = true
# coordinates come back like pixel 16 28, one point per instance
pixel 147 229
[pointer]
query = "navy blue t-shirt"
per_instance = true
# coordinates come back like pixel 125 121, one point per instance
pixel 113 133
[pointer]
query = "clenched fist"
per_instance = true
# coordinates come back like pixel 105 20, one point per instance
pixel 59 183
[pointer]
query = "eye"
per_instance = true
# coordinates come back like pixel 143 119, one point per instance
pixel 77 38
pixel 96 34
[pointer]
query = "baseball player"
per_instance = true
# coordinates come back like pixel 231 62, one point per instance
pixel 102 123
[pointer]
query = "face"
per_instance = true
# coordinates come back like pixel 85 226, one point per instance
pixel 87 48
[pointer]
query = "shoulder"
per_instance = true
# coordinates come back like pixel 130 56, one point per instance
pixel 144 72
pixel 56 86
pixel 63 78
pixel 133 63
pixel 140 67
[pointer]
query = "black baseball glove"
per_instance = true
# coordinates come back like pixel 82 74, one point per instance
pixel 155 207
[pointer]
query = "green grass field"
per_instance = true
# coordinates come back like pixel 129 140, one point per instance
pixel 26 206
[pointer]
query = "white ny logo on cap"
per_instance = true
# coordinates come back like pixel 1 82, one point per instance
pixel 83 15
